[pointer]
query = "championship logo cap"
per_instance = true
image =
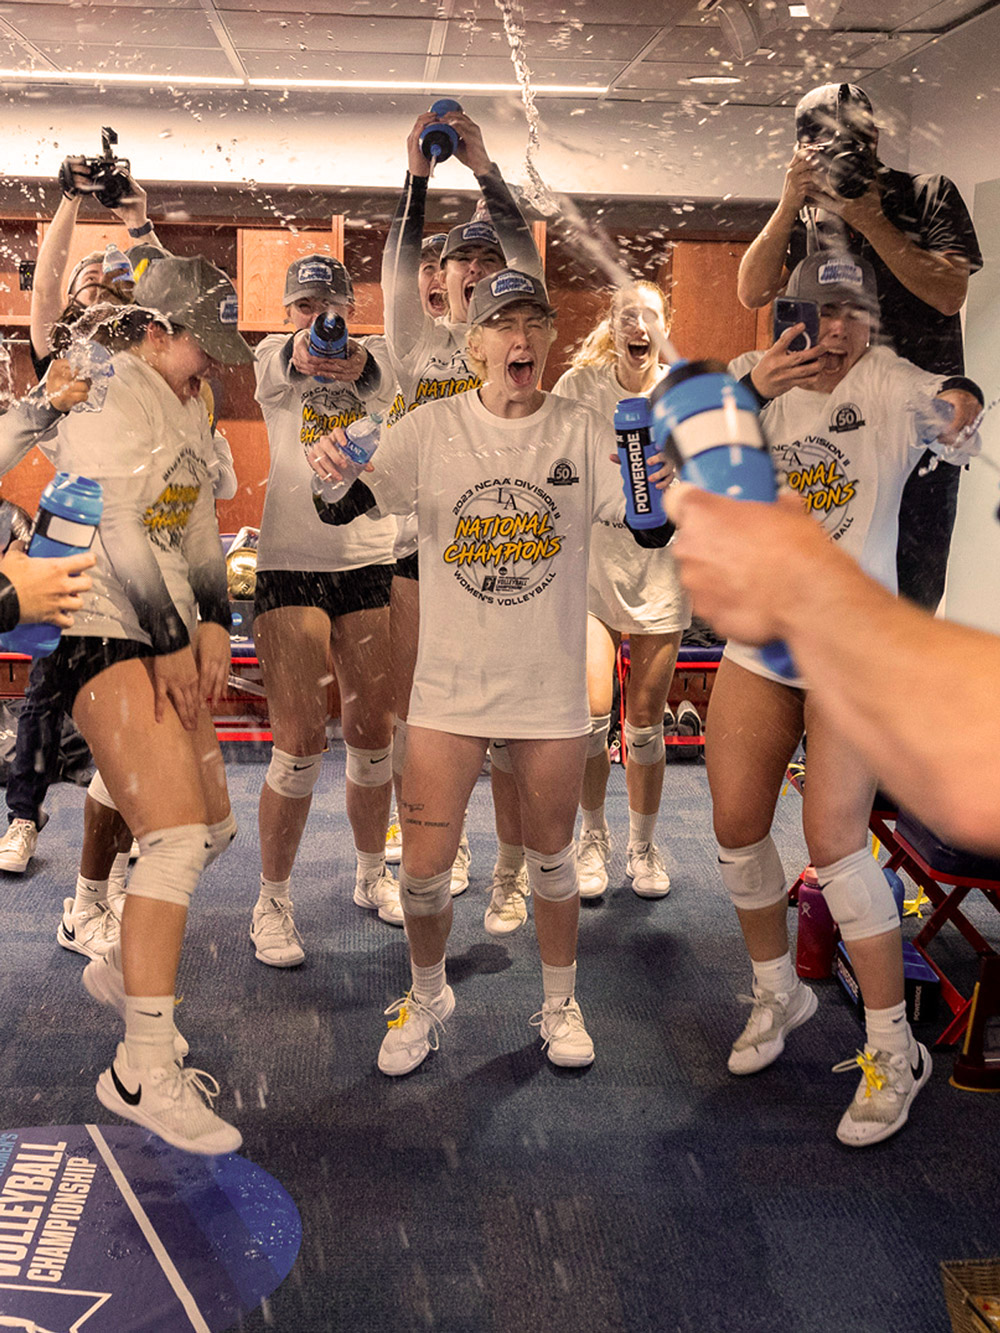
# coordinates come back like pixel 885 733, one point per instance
pixel 508 287
pixel 317 275
pixel 197 296
pixel 431 246
pixel 468 234
pixel 834 277
pixel 834 108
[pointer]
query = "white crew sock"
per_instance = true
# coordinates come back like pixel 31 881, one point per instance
pixel 594 820
pixel 640 827
pixel 89 892
pixel 428 982
pixel 509 856
pixel 149 1030
pixel 888 1030
pixel 275 888
pixel 777 975
pixel 558 983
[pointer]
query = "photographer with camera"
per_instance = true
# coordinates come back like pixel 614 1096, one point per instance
pixel 916 233
pixel 107 179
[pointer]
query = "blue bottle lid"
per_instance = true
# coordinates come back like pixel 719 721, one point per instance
pixel 74 497
pixel 632 414
pixel 445 104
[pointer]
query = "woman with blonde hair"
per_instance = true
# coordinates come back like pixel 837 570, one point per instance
pixel 632 593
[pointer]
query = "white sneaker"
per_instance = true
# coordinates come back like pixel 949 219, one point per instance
pixel 565 1039
pixel 17 846
pixel 379 892
pixel 394 840
pixel 593 856
pixel 174 1103
pixel 772 1017
pixel 881 1104
pixel 91 932
pixel 272 929
pixel 413 1032
pixel 106 985
pixel 508 905
pixel 646 870
pixel 460 867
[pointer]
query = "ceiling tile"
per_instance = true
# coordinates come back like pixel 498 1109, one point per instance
pixel 332 65
pixel 288 31
pixel 565 41
pixel 111 26
pixel 501 70
pixel 204 63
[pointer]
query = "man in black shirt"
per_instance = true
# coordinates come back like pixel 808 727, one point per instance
pixel 916 233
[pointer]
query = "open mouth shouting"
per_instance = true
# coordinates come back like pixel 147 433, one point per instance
pixel 521 372
pixel 438 302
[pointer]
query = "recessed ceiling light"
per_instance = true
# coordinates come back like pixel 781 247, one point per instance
pixel 798 11
pixel 714 79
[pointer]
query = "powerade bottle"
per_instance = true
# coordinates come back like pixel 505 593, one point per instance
pixel 67 519
pixel 328 337
pixel 438 142
pixel 362 441
pixel 708 423
pixel 633 430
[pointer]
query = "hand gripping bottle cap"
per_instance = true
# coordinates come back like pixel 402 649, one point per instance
pixel 438 142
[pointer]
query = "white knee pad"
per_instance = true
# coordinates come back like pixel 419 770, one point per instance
pixel 598 738
pixel 220 835
pixel 554 877
pixel 170 861
pixel 753 875
pixel 424 897
pixel 644 745
pixel 369 768
pixel 858 896
pixel 399 747
pixel 100 793
pixel 500 756
pixel 292 775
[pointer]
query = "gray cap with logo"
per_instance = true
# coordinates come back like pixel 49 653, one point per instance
pixel 197 296
pixel 468 234
pixel 317 275
pixel 508 287
pixel 832 277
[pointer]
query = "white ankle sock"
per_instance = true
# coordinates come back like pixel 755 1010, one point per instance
pixel 594 819
pixel 369 863
pixel 88 892
pixel 558 983
pixel 777 975
pixel 888 1030
pixel 509 856
pixel 149 1030
pixel 428 982
pixel 275 888
pixel 640 827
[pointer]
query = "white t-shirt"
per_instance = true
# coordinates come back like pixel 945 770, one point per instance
pixel 505 508
pixel 158 541
pixel 632 589
pixel 297 411
pixel 848 454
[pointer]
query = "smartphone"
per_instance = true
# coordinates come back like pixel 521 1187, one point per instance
pixel 788 312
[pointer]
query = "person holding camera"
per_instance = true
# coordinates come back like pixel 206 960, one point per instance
pixel 843 421
pixel 320 593
pixel 916 233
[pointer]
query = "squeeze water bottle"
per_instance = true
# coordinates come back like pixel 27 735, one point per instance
pixel 362 441
pixel 67 519
pixel 116 267
pixel 438 142
pixel 708 424
pixel 328 337
pixel 633 431
pixel 91 361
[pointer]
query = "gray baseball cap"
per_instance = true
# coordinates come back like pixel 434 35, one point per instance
pixel 469 234
pixel 833 108
pixel 832 277
pixel 197 296
pixel 508 287
pixel 317 275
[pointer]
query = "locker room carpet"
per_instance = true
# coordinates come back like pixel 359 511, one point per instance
pixel 489 1190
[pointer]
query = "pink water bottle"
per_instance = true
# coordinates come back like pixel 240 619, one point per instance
pixel 817 935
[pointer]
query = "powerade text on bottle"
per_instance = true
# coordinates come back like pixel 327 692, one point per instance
pixel 633 431
pixel 67 519
pixel 328 337
pixel 438 142
pixel 361 443
pixel 708 423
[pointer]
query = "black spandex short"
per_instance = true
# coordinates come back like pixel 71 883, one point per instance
pixel 408 568
pixel 79 658
pixel 338 594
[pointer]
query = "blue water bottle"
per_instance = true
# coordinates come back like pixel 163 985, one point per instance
pixel 633 431
pixel 328 337
pixel 67 519
pixel 438 142
pixel 708 424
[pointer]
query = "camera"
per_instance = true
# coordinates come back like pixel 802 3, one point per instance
pixel 110 179
pixel 850 164
pixel 837 121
